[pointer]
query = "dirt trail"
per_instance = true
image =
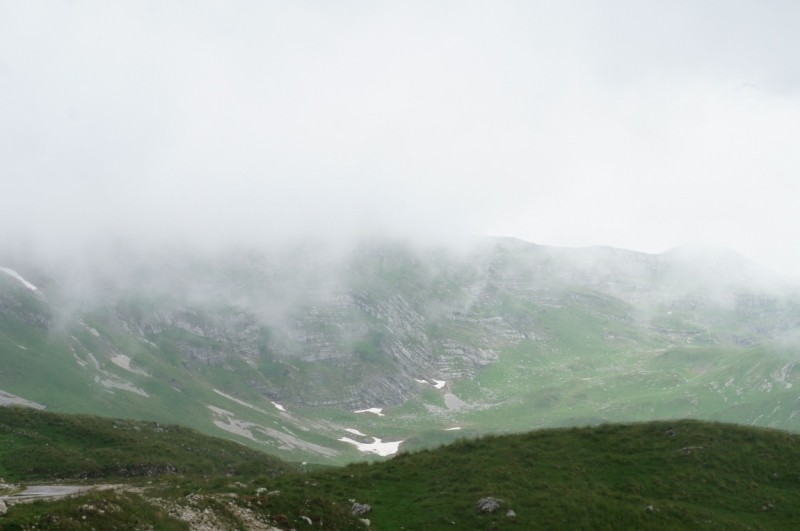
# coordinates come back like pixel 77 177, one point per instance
pixel 46 491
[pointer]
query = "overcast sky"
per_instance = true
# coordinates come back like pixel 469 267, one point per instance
pixel 636 124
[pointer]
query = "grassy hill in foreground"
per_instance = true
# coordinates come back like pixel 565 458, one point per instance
pixel 694 475
pixel 657 475
pixel 37 445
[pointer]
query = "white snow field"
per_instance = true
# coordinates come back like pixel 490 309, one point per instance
pixel 7 399
pixel 121 360
pixel 376 410
pixel 16 275
pixel 241 402
pixel 375 447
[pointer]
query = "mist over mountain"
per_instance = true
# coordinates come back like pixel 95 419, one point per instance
pixel 537 261
pixel 310 352
pixel 234 123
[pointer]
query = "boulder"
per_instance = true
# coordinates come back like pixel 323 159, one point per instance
pixel 3 508
pixel 360 508
pixel 489 505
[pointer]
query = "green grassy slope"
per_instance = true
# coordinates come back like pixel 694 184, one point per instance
pixel 705 476
pixel 38 445
pixel 664 475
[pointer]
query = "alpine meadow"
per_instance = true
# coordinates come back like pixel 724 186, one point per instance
pixel 398 266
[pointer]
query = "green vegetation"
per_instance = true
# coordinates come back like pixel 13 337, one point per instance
pixel 694 475
pixel 37 445
pixel 661 475
pixel 525 336
pixel 95 510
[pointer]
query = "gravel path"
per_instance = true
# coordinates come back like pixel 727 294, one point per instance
pixel 46 491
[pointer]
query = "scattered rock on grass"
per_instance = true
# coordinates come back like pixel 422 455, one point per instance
pixel 767 506
pixel 489 505
pixel 360 508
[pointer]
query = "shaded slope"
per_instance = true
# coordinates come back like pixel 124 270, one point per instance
pixel 662 475
pixel 695 475
pixel 41 445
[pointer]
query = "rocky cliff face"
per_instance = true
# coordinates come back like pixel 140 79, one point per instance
pixel 376 326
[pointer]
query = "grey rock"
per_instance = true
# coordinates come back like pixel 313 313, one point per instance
pixel 3 508
pixel 360 508
pixel 489 505
pixel 511 513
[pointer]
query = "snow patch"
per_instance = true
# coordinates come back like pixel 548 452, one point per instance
pixel 375 447
pixel 23 348
pixel 227 421
pixel 94 332
pixel 240 402
pixel 91 357
pixel 233 425
pixel 438 384
pixel 279 406
pixel 355 432
pixel 7 399
pixel 16 275
pixel 452 429
pixel 125 386
pixel 78 359
pixel 121 360
pixel 94 360
pixel 376 410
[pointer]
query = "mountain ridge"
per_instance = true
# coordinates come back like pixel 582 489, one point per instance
pixel 502 324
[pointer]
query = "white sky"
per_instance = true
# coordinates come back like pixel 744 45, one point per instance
pixel 634 124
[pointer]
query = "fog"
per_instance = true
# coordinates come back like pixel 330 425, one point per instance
pixel 631 124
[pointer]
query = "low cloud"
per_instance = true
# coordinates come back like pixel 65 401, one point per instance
pixel 634 125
